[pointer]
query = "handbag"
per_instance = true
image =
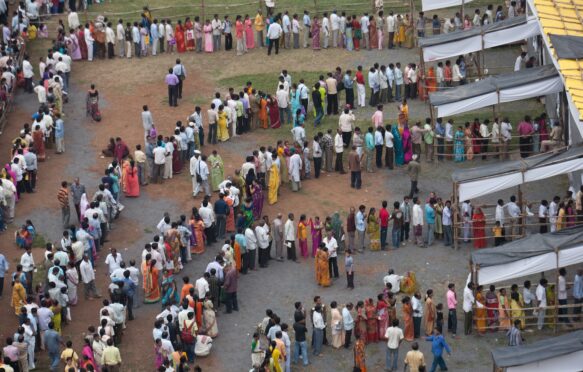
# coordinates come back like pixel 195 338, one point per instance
pixel 186 334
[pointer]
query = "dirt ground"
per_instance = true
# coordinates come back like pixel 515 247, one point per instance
pixel 124 87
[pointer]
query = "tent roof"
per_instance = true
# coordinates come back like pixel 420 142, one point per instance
pixel 498 169
pixel 531 246
pixel 541 350
pixel 439 4
pixel 464 34
pixel 492 84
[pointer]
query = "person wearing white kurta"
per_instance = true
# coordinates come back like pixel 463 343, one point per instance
pixel 89 41
pixel 194 161
pixel 295 164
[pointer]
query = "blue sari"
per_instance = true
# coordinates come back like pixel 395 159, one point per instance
pixel 171 295
pixel 295 105
pixel 399 155
pixel 458 147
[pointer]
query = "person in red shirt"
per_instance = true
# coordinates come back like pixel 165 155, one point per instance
pixel 384 216
pixel 447 73
pixel 360 87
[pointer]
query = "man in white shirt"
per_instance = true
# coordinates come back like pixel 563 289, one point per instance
pixel 208 218
pixel 391 29
pixel 273 34
pixel 541 298
pixel 88 278
pixel 364 23
pixel 468 305
pixel 262 235
pixel 325 30
pixel 287 28
pixel 514 212
pixel 202 170
pixel 562 296
pixel 339 150
pixel 113 260
pixel 519 61
pixel 89 41
pixel 394 280
pixel 202 286
pixel 319 327
pixel 120 38
pixel 506 134
pixel 110 40
pixel 347 323
pixel 251 240
pixel 28 266
pixel 307 22
pixel 335 26
pixel 332 246
pixel 282 96
pixel 28 73
pixel 194 161
pixel 72 19
pixel 289 236
pixel 417 307
pixel 346 126
pixel 394 336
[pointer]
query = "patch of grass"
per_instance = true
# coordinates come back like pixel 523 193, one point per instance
pixel 39 241
pixel 148 230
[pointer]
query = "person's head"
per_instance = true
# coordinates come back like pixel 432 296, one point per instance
pixel 395 323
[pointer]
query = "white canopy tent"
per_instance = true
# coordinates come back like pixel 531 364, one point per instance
pixel 439 4
pixel 515 86
pixel 457 43
pixel 479 181
pixel 563 353
pixel 528 256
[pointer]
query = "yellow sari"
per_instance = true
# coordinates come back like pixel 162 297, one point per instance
pixel 481 313
pixel 18 297
pixel 517 312
pixel 223 134
pixel 273 184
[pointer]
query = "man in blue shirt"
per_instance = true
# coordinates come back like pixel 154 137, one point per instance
pixel 430 219
pixel 440 134
pixel 360 228
pixel 369 147
pixel 577 293
pixel 437 345
pixel 3 268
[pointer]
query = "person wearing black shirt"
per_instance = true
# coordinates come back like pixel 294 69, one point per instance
pixel 317 102
pixel 300 344
pixel 221 210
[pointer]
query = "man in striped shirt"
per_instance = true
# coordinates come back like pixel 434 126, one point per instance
pixel 63 196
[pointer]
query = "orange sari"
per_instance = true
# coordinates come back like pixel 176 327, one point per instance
pixel 408 318
pixel 263 112
pixel 199 232
pixel 237 249
pixel 322 270
pixel 360 355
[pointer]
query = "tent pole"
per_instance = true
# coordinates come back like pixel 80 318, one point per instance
pixel 521 205
pixel 556 315
pixel 455 216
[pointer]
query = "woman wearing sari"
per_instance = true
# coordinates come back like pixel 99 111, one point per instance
pixel 357 35
pixel 561 217
pixel 208 36
pixel 322 270
pixel 93 103
pixel 74 48
pixel 315 30
pixel 383 316
pixel 400 34
pixel 131 182
pixel 503 307
pixel 336 326
pixel 430 313
pixel 458 147
pixel 439 218
pixel 516 309
pixel 303 236
pixel 247 211
pixel 373 230
pixel 250 38
pixel 230 223
pixel 349 34
pixel 360 324
pixel 431 81
pixel 295 103
pixel 38 138
pixel 372 32
pixel 407 145
pixel 481 312
pixel 398 145
pixel 87 352
pixel 372 326
pixel 571 215
pixel 262 115
pixel 479 228
pixel 189 34
pixel 273 184
pixel 151 282
pixel 283 175
pixel 316 231
pixel 18 295
pixel 198 227
pixel 273 106
pixel 408 318
pixel 217 169
pixel 222 129
pixel 468 142
pixel 171 293
pixel 72 283
pixel 209 320
pixel 257 192
pixel 409 41
pixel 360 354
pixel 492 308
pixel 82 43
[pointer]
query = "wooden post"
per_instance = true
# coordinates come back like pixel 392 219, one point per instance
pixel 522 215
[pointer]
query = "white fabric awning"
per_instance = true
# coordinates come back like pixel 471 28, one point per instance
pixel 463 42
pixel 510 87
pixel 439 4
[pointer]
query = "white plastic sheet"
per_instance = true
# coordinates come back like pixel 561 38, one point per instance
pixel 553 170
pixel 439 4
pixel 452 49
pixel 534 89
pixel 470 190
pixel 470 104
pixel 512 34
pixel 564 363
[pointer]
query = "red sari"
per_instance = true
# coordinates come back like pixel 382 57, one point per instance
pixel 273 113
pixel 357 34
pixel 39 144
pixel 250 39
pixel 361 328
pixel 372 328
pixel 179 36
pixel 189 34
pixel 82 43
pixel 479 226
pixel 132 185
pixel 383 314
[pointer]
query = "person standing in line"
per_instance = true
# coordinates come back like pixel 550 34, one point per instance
pixel 354 166
pixel 273 34
pixel 332 246
pixel 77 191
pixel 301 344
pixel 217 28
pixel 63 197
pixel 180 72
pixel 413 169
pixel 339 150
pixel 307 27
pixel 379 142
pixel 541 298
pixel 348 323
pixel 290 237
pixel 389 147
pixel 360 228
pixel 562 296
pixel 437 345
pixel 417 306
pixel 369 146
pixel 394 336
pixel 451 307
pixel 360 87
pixel 468 306
pixel 319 327
pixel 230 288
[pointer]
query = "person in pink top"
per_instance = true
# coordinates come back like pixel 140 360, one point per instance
pixel 377 117
pixel 525 131
pixel 451 307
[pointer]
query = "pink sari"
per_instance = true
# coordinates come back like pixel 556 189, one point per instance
pixel 316 236
pixel 250 39
pixel 407 145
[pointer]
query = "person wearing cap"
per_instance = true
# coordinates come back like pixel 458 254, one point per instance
pixel 413 169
